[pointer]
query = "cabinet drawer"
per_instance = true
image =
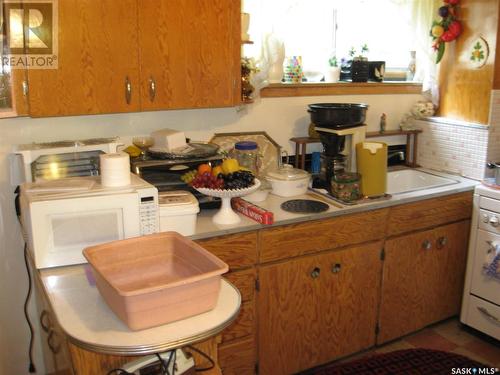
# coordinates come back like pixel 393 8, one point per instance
pixel 429 213
pixel 238 358
pixel 245 282
pixel 304 238
pixel 238 251
pixel 484 316
pixel 244 324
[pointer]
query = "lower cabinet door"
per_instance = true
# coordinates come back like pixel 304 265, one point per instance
pixel 451 248
pixel 238 357
pixel 408 273
pixel 423 279
pixel 317 308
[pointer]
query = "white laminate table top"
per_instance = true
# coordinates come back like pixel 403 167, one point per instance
pixel 89 323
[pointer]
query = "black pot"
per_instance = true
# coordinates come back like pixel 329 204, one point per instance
pixel 337 115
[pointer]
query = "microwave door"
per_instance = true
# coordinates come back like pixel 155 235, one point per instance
pixel 63 228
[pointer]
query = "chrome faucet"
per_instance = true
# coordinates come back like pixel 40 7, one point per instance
pixel 400 154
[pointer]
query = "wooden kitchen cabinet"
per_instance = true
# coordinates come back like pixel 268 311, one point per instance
pixel 317 308
pixel 98 60
pixel 237 350
pixel 422 279
pixel 131 55
pixel 189 53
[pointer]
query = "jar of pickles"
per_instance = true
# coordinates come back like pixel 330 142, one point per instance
pixel 247 154
pixel 345 186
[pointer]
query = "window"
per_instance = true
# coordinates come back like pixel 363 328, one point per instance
pixel 318 29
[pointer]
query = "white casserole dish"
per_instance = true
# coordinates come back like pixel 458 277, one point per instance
pixel 288 181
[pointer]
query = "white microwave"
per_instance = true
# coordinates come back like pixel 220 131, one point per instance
pixel 62 217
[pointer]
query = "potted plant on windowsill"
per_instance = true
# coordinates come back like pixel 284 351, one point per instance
pixel 332 74
pixel 360 65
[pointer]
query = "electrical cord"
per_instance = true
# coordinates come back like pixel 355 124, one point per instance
pixel 212 363
pixel 32 368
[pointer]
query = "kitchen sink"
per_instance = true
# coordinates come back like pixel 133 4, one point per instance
pixel 406 180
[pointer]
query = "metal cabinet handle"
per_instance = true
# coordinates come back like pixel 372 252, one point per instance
pixel 25 88
pixel 50 342
pixel 45 322
pixel 152 89
pixel 441 242
pixel 336 268
pixel 315 272
pixel 427 245
pixel 488 315
pixel 128 90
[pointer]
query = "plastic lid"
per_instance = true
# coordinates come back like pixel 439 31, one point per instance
pixel 176 198
pixel 288 173
pixel 245 145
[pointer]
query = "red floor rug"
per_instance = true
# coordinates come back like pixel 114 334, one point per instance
pixel 407 362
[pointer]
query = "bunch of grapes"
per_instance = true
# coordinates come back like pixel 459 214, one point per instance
pixel 189 176
pixel 238 180
pixel 207 180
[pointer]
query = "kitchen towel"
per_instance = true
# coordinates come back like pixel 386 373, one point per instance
pixel 115 169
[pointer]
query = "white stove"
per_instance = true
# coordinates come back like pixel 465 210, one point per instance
pixel 481 300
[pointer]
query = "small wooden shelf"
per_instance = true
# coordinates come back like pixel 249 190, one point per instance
pixel 277 90
pixel 302 142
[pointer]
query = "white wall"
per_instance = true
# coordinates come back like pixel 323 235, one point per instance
pixel 281 118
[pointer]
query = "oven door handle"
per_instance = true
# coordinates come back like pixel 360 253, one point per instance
pixel 488 315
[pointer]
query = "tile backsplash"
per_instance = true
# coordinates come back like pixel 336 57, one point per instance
pixel 461 148
pixel 452 147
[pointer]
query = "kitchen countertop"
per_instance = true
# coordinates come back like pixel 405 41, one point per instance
pixel 90 324
pixel 205 228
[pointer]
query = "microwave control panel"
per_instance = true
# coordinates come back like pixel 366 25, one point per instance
pixel 148 211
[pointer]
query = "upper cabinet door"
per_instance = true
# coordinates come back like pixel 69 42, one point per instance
pixel 189 53
pixel 98 64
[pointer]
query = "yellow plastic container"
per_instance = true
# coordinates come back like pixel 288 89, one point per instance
pixel 371 163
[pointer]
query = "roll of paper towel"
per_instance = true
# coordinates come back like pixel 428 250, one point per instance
pixel 115 169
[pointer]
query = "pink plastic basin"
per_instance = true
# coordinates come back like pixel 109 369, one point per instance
pixel 153 280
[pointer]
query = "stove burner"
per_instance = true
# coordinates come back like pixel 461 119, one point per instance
pixel 304 206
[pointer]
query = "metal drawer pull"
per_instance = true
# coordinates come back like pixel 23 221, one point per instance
pixel 45 322
pixel 25 88
pixel 128 90
pixel 315 272
pixel 427 245
pixel 152 89
pixel 485 312
pixel 336 268
pixel 441 242
pixel 50 342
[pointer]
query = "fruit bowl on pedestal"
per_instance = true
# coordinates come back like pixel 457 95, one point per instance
pixel 226 215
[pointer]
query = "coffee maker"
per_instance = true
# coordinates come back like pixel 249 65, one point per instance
pixel 340 127
pixel 339 150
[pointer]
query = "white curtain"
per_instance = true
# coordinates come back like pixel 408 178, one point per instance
pixel 423 12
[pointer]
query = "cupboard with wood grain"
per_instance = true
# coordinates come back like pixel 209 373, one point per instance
pixel 132 55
